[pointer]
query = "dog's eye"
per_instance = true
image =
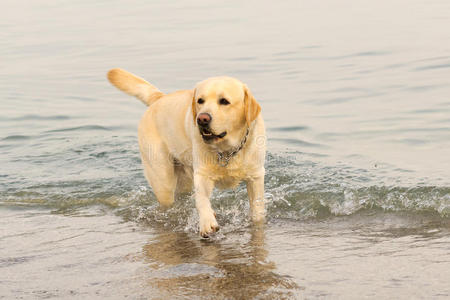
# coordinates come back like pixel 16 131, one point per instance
pixel 200 101
pixel 224 101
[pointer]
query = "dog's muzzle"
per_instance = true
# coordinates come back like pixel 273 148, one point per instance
pixel 208 135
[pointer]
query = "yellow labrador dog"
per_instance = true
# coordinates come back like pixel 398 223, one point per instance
pixel 210 136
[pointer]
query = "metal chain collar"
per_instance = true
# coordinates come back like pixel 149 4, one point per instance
pixel 223 158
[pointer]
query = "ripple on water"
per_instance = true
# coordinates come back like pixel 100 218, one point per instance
pixel 83 128
pixel 433 67
pixel 16 138
pixel 32 117
pixel 289 128
pixel 296 142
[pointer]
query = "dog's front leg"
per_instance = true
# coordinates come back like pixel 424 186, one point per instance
pixel 255 190
pixel 207 217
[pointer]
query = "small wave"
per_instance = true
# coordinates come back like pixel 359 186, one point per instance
pixel 82 128
pixel 39 117
pixel 287 203
pixel 295 189
pixel 10 261
pixel 81 98
pixel 432 67
pixel 16 138
pixel 297 142
pixel 289 129
pixel 362 54
pixel 246 58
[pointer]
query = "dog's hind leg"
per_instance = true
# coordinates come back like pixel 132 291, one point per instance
pixel 160 173
pixel 184 179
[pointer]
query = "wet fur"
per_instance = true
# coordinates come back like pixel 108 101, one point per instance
pixel 177 159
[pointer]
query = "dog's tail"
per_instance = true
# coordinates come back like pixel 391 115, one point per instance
pixel 134 86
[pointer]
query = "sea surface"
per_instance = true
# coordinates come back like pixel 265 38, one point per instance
pixel 356 101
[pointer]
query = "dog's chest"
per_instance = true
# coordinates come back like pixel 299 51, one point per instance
pixel 226 177
pixel 229 179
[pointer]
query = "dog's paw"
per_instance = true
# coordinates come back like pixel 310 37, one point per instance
pixel 208 224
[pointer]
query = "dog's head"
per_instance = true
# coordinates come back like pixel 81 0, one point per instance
pixel 222 108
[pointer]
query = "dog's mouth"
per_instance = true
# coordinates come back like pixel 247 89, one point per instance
pixel 207 135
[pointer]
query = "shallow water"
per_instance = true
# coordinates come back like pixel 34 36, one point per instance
pixel 355 100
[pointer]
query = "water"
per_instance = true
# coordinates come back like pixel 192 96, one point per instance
pixel 355 99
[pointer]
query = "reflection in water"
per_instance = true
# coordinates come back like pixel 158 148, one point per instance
pixel 235 267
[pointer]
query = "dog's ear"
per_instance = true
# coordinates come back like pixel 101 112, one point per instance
pixel 194 107
pixel 251 107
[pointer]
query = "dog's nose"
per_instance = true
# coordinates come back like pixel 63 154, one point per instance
pixel 204 119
